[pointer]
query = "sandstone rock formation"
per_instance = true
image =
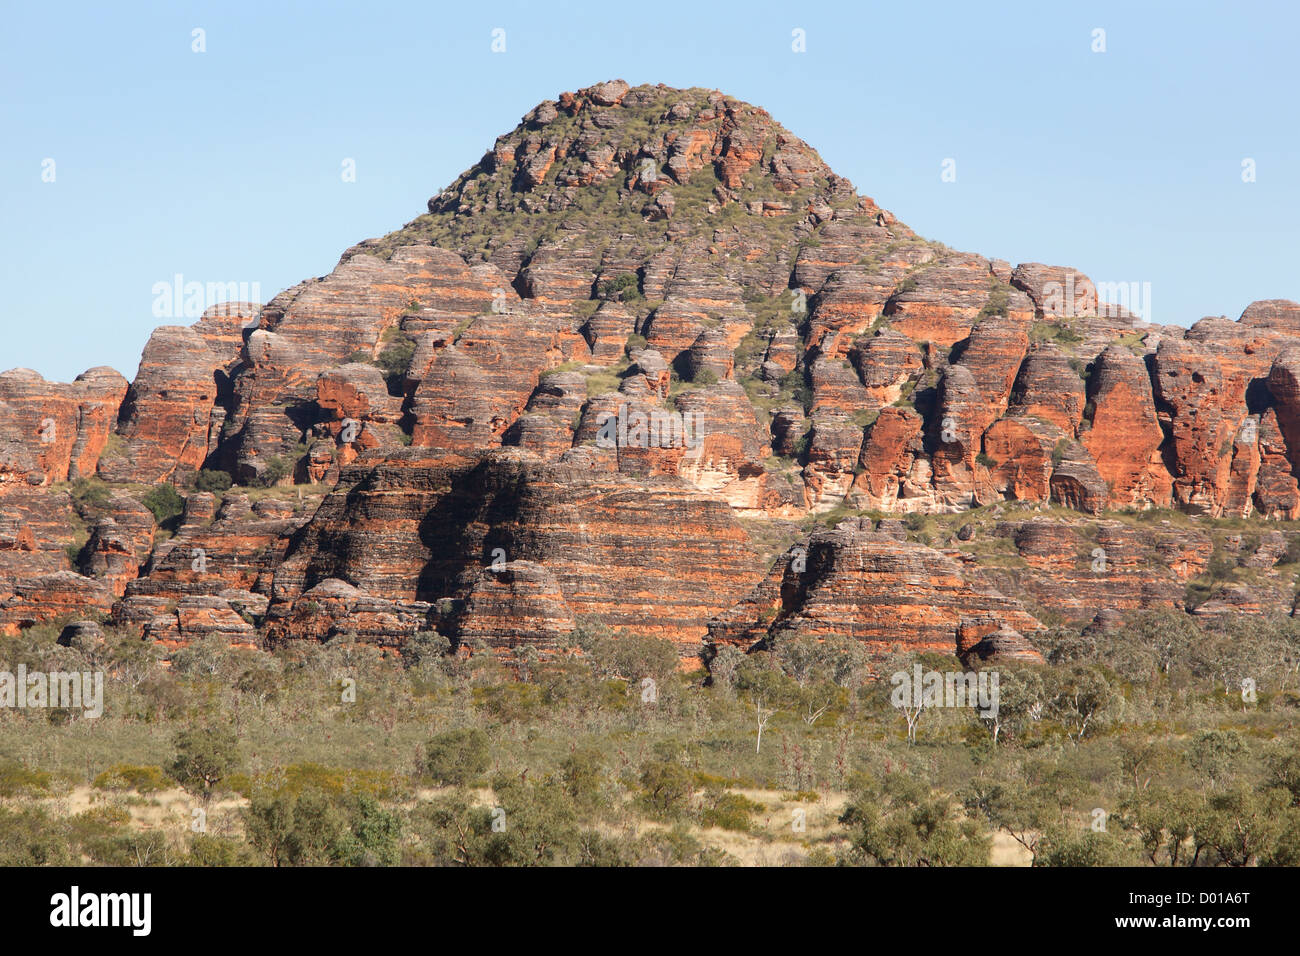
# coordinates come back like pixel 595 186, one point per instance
pixel 51 432
pixel 421 440
pixel 854 582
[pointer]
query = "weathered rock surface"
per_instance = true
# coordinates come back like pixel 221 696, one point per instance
pixel 1077 572
pixel 1048 388
pixel 652 554
pixel 1125 437
pixel 50 597
pixel 1190 385
pixel 894 472
pixel 890 595
pixel 1004 646
pixel 1056 291
pixel 940 303
pixel 215 551
pixel 119 544
pixel 52 432
pixel 166 418
pixel 781 348
pixel 515 603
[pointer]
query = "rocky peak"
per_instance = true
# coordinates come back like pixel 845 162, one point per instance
pixel 645 167
pixel 777 353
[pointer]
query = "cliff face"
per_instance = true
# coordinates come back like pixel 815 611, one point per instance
pixel 569 538
pixel 647 341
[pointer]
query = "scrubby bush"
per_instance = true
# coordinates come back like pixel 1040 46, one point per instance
pixel 395 358
pixel 582 773
pixel 900 822
pixel 624 655
pixel 666 788
pixel 124 776
pixel 164 501
pixel 311 827
pixel 729 811
pixel 622 288
pixel 455 757
pixel 213 481
pixel 30 837
pixel 276 469
pixel 16 778
pixel 426 648
pixel 207 850
pixel 90 496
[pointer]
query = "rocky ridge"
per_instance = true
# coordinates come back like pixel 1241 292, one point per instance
pixel 651 362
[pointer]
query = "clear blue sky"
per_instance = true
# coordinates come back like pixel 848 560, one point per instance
pixel 225 166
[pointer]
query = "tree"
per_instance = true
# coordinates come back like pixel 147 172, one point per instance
pixel 374 834
pixel 627 656
pixel 1081 697
pixel 1241 826
pixel 312 827
pixel 1066 645
pixel 454 757
pixel 206 850
pixel 723 667
pixel 909 695
pixel 1169 637
pixel 395 358
pixel 1286 849
pixel 838 660
pixel 1284 767
pixel 1063 847
pixel 816 699
pixel 1163 821
pixel 450 830
pixel 1027 810
pixel 131 660
pixel 425 649
pixel 912 708
pixel 1288 661
pixel 902 823
pixel 1022 812
pixel 582 772
pixel 767 690
pixel 666 787
pixel 268 823
pixel 204 757
pixel 30 837
pixel 534 824
pixel 276 469
pixel 1215 755
pixel 1021 702
pixel 1141 758
pixel 622 288
pixel 799 658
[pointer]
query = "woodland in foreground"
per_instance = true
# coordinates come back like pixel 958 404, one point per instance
pixel 1134 746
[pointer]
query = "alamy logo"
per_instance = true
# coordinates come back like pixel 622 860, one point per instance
pixel 1133 297
pixel 70 690
pixel 923 689
pixel 179 299
pixel 1070 299
pixel 73 909
pixel 659 429
pixel 1066 300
